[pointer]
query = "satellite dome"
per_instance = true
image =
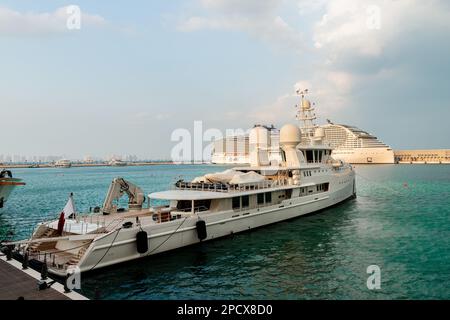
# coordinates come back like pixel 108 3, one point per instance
pixel 259 136
pixel 306 104
pixel 290 135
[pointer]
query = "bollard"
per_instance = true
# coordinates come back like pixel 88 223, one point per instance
pixel 66 288
pixel 8 254
pixel 44 270
pixel 25 261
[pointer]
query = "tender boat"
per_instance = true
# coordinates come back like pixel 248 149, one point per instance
pixel 7 184
pixel 63 163
pixel 117 163
pixel 307 180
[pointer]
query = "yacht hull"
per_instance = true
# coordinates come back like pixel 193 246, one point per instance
pixel 120 245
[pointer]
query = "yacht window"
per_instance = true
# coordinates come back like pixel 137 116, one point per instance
pixel 260 198
pixel 288 194
pixel 202 205
pixel 268 197
pixel 184 205
pixel 309 156
pixel 245 201
pixel 303 190
pixel 236 203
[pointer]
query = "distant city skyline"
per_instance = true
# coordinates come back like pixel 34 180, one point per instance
pixel 15 158
pixel 135 72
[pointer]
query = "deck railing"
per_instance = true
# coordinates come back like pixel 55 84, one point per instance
pixel 222 187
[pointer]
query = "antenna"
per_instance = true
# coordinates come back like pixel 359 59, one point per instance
pixel 306 115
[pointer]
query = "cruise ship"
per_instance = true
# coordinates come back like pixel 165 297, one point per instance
pixel 349 143
pixel 356 146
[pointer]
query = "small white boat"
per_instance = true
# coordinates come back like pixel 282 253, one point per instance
pixel 63 163
pixel 117 163
pixel 7 184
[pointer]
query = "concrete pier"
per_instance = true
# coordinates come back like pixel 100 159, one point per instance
pixel 16 284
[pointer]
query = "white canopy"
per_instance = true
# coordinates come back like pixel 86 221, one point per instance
pixel 249 177
pixel 222 177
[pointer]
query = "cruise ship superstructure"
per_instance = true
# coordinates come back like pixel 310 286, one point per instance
pixel 214 205
pixel 349 143
pixel 236 149
pixel 356 146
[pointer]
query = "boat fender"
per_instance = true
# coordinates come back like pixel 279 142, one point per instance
pixel 201 229
pixel 142 241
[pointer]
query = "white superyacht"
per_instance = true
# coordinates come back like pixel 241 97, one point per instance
pixel 306 180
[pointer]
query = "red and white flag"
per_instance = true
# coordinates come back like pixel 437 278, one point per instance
pixel 69 209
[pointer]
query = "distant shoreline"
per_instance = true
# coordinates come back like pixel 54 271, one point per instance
pixel 131 164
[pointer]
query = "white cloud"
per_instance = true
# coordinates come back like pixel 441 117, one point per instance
pixel 367 28
pixel 14 23
pixel 359 42
pixel 258 18
pixel 357 45
pixel 307 6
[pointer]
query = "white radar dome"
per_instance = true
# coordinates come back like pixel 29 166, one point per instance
pixel 259 136
pixel 290 135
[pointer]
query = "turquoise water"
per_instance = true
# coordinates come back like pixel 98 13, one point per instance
pixel 400 221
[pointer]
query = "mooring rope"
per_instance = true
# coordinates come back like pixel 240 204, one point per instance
pixel 109 248
pixel 170 235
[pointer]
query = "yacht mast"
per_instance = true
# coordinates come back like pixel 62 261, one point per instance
pixel 306 115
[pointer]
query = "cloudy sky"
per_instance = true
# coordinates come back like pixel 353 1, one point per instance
pixel 137 70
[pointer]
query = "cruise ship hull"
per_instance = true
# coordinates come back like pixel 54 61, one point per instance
pixel 120 246
pixel 365 155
